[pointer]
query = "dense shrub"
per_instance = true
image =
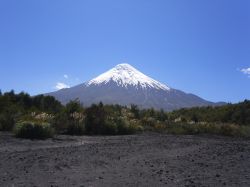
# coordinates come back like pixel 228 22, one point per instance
pixel 230 130
pixel 135 110
pixel 194 128
pixel 60 122
pixel 33 130
pixel 74 119
pixel 109 127
pixel 149 123
pixel 96 119
pixel 7 122
pixel 123 126
pixel 209 128
pixel 75 128
pixel 176 129
pixel 245 131
pixel 99 121
pixel 160 127
pixel 126 127
pixel 70 120
pixel 231 113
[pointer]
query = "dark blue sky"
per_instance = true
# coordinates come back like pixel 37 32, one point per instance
pixel 200 47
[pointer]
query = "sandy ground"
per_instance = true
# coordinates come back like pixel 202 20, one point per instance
pixel 149 159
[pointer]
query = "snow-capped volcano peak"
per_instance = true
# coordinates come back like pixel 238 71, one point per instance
pixel 126 75
pixel 124 85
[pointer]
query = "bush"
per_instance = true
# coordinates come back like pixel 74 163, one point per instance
pixel 150 121
pixel 245 131
pixel 33 130
pixel 109 128
pixel 60 123
pixel 75 128
pixel 176 129
pixel 106 121
pixel 192 129
pixel 7 122
pixel 159 127
pixel 70 121
pixel 124 127
pixel 96 117
pixel 230 130
pixel 212 128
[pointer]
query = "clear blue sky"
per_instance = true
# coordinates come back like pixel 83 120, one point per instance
pixel 198 46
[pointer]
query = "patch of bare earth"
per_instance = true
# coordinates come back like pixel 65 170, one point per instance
pixel 148 159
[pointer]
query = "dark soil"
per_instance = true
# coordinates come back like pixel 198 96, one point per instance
pixel 148 159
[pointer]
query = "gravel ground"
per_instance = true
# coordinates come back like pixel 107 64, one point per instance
pixel 148 159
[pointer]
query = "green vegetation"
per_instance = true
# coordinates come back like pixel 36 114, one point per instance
pixel 70 120
pixel 41 117
pixel 209 128
pixel 231 113
pixel 110 120
pixel 33 130
pixel 15 107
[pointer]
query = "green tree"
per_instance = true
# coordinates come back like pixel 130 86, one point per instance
pixel 73 106
pixel 194 118
pixel 95 119
pixel 135 110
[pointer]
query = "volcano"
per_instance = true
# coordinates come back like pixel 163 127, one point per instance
pixel 125 85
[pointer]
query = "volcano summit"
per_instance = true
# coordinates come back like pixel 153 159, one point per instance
pixel 125 85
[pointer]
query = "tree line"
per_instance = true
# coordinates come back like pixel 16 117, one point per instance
pixel 43 116
pixel 231 113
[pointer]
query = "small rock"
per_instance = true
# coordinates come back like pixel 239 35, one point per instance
pixel 217 175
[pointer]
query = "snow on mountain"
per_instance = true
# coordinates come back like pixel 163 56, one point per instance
pixel 124 85
pixel 125 75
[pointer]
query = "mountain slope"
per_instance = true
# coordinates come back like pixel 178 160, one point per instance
pixel 125 85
